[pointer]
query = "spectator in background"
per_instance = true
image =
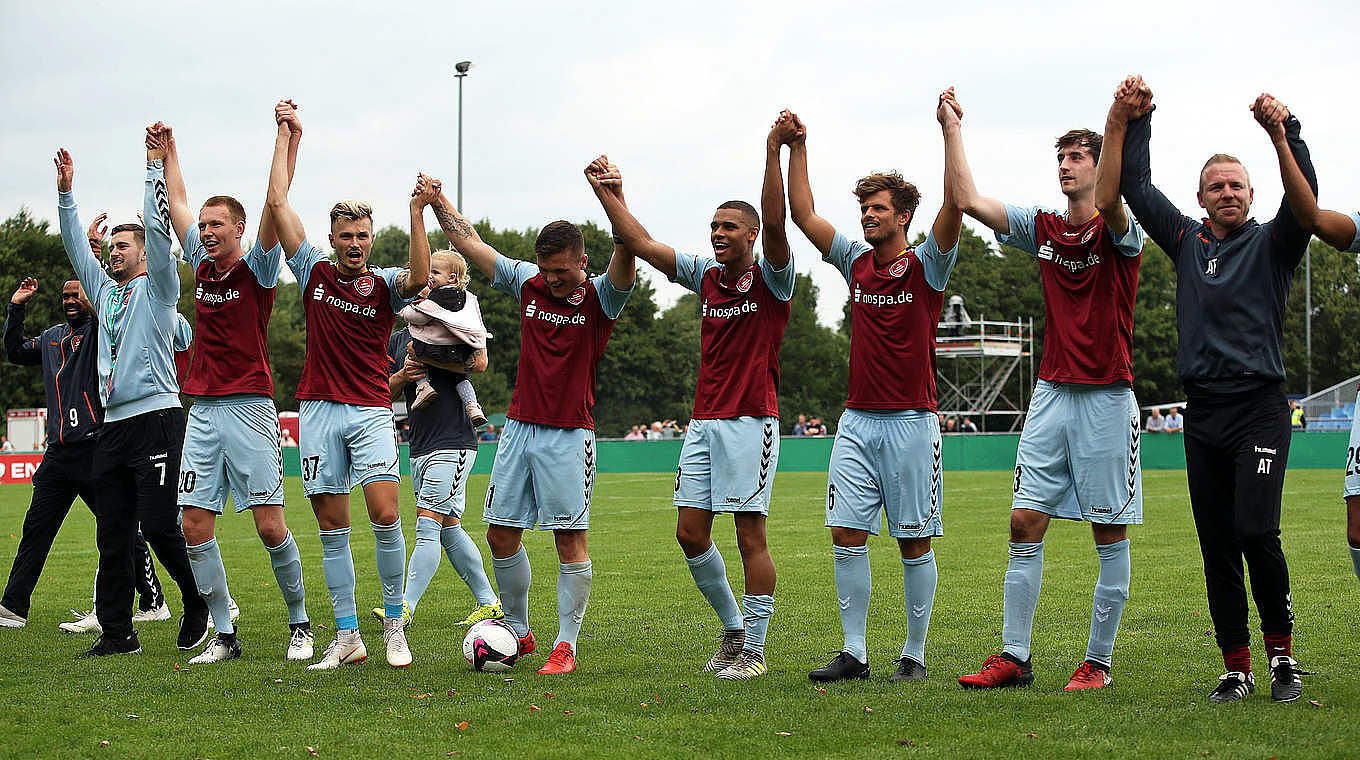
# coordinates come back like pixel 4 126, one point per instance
pixel 1156 423
pixel 286 439
pixel 670 429
pixel 5 445
pixel 800 427
pixel 968 426
pixel 490 435
pixel 815 427
pixel 635 434
pixel 951 424
pixel 654 431
pixel 1296 418
pixel 1175 423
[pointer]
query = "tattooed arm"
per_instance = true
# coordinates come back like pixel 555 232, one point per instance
pixel 463 237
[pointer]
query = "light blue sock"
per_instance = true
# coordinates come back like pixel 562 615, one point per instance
pixel 211 579
pixel 467 562
pixel 573 594
pixel 391 548
pixel 513 575
pixel 919 577
pixel 1107 606
pixel 337 564
pixel 710 575
pixel 424 561
pixel 854 584
pixel 287 564
pixel 1024 575
pixel 1355 559
pixel 757 619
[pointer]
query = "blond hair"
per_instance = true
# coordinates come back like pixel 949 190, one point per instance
pixel 351 211
pixel 457 264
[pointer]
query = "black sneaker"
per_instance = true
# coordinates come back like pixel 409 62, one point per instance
pixel 908 670
pixel 1285 685
pixel 105 646
pixel 193 628
pixel 1232 686
pixel 843 667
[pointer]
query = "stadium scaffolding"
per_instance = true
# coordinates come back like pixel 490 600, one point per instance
pixel 1331 408
pixel 976 360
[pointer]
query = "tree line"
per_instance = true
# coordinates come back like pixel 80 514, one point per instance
pixel 652 363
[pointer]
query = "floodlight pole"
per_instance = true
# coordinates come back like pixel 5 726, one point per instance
pixel 460 72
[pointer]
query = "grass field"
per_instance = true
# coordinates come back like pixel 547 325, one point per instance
pixel 648 632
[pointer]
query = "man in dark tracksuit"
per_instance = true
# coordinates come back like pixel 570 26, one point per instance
pixel 67 355
pixel 1232 278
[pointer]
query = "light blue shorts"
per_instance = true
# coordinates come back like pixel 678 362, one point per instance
pixel 1353 456
pixel 344 445
pixel 542 477
pixel 440 479
pixel 231 445
pixel 728 465
pixel 1079 454
pixel 886 464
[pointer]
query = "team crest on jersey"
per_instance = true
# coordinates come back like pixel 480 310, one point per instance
pixel 744 284
pixel 364 285
pixel 75 342
pixel 899 267
pixel 577 296
pixel 1089 234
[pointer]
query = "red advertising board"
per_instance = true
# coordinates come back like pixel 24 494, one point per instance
pixel 18 468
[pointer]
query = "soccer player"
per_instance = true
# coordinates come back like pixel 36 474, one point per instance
pixel 231 445
pixel 731 449
pixel 1232 278
pixel 1342 232
pixel 136 459
pixel 443 449
pixel 886 457
pixel 1078 454
pixel 348 437
pixel 544 471
pixel 74 413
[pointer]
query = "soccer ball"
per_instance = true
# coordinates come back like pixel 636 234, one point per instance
pixel 491 646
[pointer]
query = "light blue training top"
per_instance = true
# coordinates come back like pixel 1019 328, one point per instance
pixel 137 320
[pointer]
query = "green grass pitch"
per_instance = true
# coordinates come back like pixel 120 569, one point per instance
pixel 639 690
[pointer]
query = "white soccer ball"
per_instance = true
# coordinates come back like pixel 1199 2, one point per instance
pixel 491 646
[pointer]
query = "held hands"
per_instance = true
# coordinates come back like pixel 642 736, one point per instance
pixel 66 170
pixel 426 192
pixel 1271 114
pixel 1132 98
pixel 949 113
pixel 787 130
pixel 26 290
pixel 605 177
pixel 285 115
pixel 157 141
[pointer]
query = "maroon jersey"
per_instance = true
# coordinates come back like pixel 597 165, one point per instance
pixel 894 309
pixel 740 334
pixel 1090 283
pixel 231 343
pixel 349 320
pixel 561 343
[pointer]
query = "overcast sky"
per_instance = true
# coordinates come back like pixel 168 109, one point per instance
pixel 680 96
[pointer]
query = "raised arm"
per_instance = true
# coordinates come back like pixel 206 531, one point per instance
pixel 415 279
pixel 1128 100
pixel 181 216
pixel 1159 216
pixel 1295 165
pixel 774 238
pixel 607 182
pixel 88 269
pixel 162 268
pixel 818 230
pixel 464 238
pixel 285 221
pixel 949 221
pixel 19 350
pixel 959 177
pixel 267 236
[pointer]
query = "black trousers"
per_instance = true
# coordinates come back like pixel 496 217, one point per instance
pixel 136 472
pixel 1236 447
pixel 63 475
